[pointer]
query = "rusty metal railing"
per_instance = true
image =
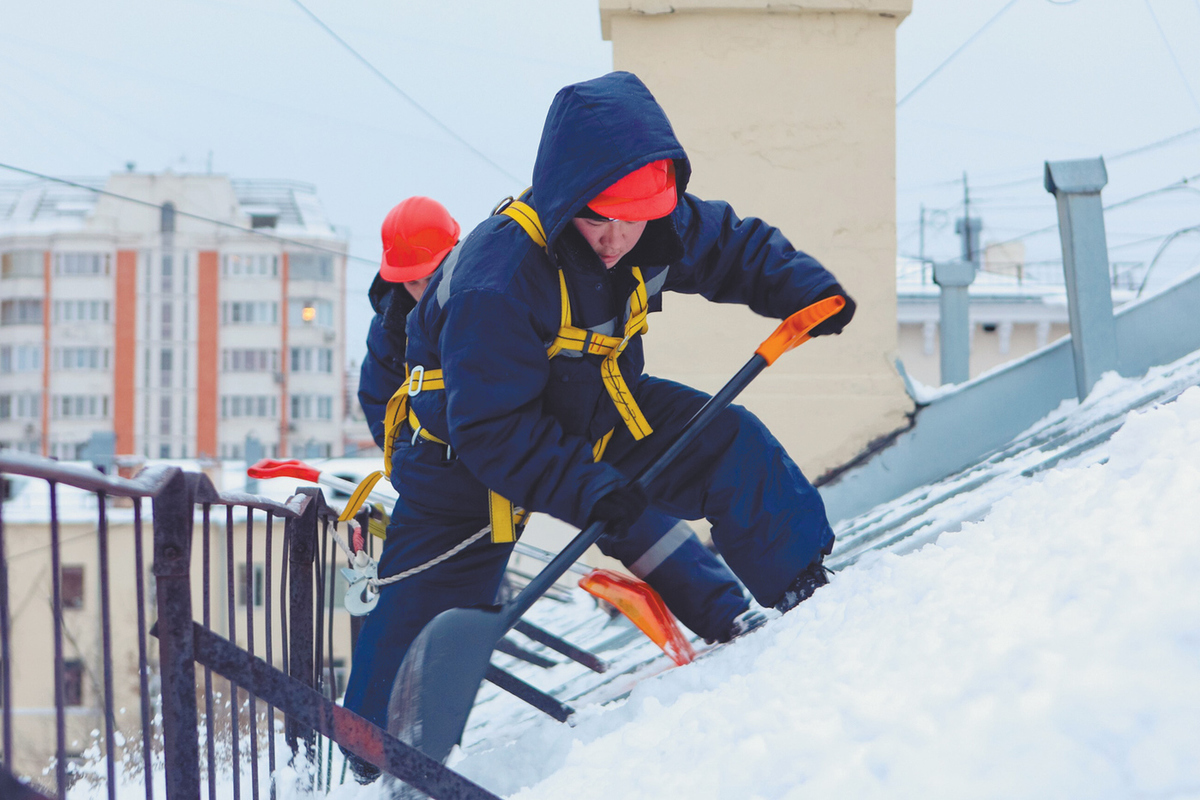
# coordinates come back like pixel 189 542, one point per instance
pixel 264 641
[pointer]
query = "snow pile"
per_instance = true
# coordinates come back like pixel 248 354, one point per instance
pixel 1050 650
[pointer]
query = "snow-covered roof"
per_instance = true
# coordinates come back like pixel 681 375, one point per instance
pixel 1027 628
pixel 42 206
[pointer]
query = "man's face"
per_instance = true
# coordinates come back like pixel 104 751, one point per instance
pixel 611 239
pixel 416 288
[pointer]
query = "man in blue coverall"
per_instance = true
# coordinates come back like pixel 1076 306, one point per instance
pixel 661 550
pixel 533 325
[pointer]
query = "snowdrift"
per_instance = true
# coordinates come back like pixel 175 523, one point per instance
pixel 1050 650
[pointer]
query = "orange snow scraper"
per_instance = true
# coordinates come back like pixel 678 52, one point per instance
pixel 644 608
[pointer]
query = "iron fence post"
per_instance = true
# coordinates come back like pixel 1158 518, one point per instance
pixel 302 538
pixel 172 560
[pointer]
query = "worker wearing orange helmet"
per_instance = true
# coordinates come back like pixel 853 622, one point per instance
pixel 417 235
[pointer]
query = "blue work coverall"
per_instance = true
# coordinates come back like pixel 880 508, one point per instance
pixel 661 550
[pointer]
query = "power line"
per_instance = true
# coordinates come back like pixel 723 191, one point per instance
pixel 427 114
pixel 952 56
pixel 1182 183
pixel 1174 60
pixel 1155 145
pixel 217 222
pixel 1145 148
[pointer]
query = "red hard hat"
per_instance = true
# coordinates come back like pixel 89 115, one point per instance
pixel 645 193
pixel 417 235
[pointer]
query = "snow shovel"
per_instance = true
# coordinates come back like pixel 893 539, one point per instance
pixel 437 682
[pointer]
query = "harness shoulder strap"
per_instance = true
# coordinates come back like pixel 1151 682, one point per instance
pixel 528 219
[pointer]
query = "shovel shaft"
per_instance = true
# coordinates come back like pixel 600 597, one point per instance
pixel 514 609
pixel 438 681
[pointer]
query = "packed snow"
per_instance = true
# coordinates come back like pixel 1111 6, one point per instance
pixel 1051 649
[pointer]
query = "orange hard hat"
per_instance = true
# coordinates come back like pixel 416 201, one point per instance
pixel 417 235
pixel 646 193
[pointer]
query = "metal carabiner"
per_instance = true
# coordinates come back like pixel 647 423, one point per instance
pixel 417 374
pixel 361 598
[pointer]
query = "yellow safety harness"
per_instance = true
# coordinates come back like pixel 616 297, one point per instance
pixel 504 518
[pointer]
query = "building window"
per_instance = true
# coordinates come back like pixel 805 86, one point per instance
pixel 20 358
pixel 165 319
pixel 249 266
pixel 69 451
pixel 164 415
pixel 72 682
pixel 82 263
pixel 164 451
pixel 79 406
pixel 311 312
pixel 167 274
pixel 21 406
pixel 249 313
pixel 80 358
pixel 21 312
pixel 260 585
pixel 261 406
pixel 72 586
pixel 166 361
pixel 167 218
pixel 264 220
pixel 249 360
pixel 81 311
pixel 311 359
pixel 22 264
pixel 305 406
pixel 310 267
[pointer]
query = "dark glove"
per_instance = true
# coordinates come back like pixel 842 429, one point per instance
pixel 620 508
pixel 839 320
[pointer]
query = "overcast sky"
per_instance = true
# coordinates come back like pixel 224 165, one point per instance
pixel 261 89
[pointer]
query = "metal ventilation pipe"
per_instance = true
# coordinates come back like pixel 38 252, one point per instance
pixel 955 326
pixel 1076 187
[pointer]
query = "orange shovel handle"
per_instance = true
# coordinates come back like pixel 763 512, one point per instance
pixel 795 329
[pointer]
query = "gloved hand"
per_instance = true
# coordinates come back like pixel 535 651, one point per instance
pixel 839 320
pixel 620 508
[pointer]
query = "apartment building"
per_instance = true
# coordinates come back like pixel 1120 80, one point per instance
pixel 183 313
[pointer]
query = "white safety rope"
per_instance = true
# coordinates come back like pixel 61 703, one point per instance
pixel 360 560
pixel 375 583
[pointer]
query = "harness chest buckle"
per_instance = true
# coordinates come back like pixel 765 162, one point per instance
pixel 416 380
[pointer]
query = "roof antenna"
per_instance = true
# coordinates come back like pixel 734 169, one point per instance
pixel 130 166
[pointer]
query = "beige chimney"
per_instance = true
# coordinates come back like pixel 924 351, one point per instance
pixel 788 112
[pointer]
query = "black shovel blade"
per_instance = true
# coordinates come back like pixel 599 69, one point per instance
pixel 440 676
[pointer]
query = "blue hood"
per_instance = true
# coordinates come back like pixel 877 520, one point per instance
pixel 596 133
